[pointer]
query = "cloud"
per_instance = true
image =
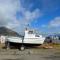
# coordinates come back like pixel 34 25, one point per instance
pixel 52 27
pixel 55 22
pixel 8 17
pixel 8 10
pixel 43 25
pixel 30 16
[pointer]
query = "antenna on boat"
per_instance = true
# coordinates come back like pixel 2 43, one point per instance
pixel 27 27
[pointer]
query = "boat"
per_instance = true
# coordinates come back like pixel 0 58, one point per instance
pixel 30 38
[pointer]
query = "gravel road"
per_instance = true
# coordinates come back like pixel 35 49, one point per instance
pixel 30 54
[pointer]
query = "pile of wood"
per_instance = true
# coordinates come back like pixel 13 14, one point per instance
pixel 46 46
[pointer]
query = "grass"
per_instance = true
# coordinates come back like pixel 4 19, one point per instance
pixel 2 45
pixel 43 46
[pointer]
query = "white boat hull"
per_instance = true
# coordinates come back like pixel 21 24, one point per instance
pixel 27 40
pixel 34 40
pixel 14 39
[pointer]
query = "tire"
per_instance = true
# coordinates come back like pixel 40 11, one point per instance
pixel 22 48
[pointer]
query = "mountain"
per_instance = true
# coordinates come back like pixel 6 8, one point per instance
pixel 8 32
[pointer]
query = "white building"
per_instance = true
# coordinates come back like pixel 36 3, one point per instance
pixel 2 39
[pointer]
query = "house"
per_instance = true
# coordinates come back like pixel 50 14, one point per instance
pixel 53 39
pixel 2 39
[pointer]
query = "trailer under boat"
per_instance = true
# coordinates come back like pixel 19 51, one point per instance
pixel 29 39
pixel 25 45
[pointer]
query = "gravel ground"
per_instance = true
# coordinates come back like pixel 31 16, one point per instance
pixel 30 54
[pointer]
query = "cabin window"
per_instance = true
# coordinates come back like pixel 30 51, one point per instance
pixel 30 32
pixel 36 35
